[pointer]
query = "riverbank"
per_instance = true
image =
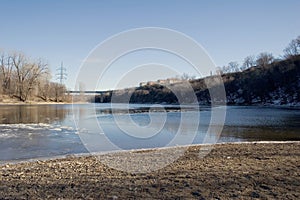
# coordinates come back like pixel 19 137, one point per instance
pixel 240 171
pixel 7 100
pixel 39 103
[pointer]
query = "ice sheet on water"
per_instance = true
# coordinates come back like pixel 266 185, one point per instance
pixel 38 126
pixel 56 129
pixel 7 135
pixel 67 128
pixel 28 130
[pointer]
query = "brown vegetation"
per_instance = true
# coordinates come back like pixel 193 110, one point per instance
pixel 24 79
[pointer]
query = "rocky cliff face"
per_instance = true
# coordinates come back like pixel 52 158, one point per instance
pixel 274 84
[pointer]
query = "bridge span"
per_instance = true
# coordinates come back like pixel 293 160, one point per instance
pixel 101 95
pixel 87 92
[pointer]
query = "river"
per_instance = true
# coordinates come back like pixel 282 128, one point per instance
pixel 35 131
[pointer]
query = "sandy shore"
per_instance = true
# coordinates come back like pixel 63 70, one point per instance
pixel 229 171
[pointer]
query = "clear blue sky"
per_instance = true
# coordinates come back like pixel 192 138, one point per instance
pixel 67 30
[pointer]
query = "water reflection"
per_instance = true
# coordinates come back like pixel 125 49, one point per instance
pixel 37 131
pixel 25 114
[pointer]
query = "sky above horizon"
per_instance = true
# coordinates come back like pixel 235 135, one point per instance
pixel 68 30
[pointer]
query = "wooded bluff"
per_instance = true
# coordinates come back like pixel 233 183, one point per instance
pixel 277 83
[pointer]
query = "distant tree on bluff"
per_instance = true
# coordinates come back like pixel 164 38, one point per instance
pixel 264 59
pixel 293 49
pixel 249 61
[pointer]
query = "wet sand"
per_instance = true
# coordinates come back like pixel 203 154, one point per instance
pixel 229 171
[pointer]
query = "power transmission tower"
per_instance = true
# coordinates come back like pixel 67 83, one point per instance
pixel 61 75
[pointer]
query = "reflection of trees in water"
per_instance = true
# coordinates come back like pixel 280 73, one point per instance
pixel 32 114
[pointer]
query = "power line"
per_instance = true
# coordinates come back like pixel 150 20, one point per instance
pixel 61 75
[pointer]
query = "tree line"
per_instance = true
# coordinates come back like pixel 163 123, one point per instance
pixel 27 79
pixel 269 81
pixel 261 60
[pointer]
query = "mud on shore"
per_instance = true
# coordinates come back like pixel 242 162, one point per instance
pixel 229 171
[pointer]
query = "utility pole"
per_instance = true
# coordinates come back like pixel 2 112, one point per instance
pixel 61 75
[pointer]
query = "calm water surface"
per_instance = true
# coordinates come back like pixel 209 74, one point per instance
pixel 50 130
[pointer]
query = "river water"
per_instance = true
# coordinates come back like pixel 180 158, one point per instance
pixel 35 131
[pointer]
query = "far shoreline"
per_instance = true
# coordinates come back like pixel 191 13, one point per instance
pixel 33 103
pixel 40 103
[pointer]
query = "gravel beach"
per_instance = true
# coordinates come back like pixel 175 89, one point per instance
pixel 229 171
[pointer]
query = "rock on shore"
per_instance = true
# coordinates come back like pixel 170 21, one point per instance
pixel 229 171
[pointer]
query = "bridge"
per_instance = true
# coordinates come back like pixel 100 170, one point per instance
pixel 81 94
pixel 87 92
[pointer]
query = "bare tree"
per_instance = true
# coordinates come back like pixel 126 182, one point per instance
pixel 57 91
pixel 186 77
pixel 233 66
pixel 225 69
pixel 6 68
pixel 27 74
pixel 44 87
pixel 263 59
pixel 249 61
pixel 293 49
pixel 23 78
